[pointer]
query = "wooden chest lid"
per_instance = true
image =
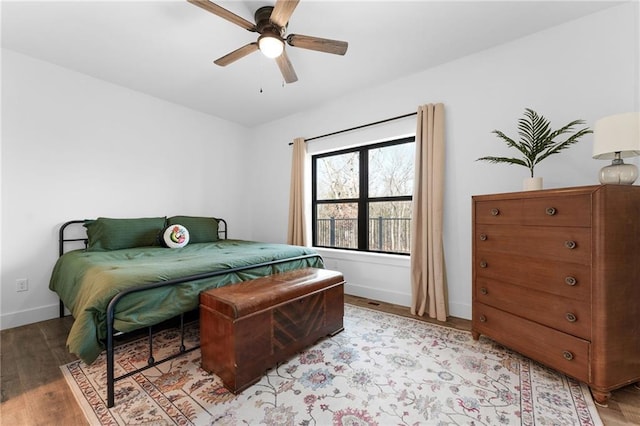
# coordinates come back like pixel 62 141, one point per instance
pixel 247 297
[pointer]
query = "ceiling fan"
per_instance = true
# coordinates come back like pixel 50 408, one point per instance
pixel 271 24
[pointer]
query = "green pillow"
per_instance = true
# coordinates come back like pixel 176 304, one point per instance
pixel 115 234
pixel 201 229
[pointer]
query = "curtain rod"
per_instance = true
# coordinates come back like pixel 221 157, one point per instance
pixel 360 127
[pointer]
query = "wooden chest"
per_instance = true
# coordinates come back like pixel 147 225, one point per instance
pixel 556 276
pixel 249 327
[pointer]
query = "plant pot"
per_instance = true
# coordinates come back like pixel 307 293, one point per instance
pixel 532 184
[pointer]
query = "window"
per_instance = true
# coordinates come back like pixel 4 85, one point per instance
pixel 362 197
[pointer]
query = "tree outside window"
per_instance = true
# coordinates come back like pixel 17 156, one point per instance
pixel 362 197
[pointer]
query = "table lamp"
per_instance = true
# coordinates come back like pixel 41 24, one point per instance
pixel 615 137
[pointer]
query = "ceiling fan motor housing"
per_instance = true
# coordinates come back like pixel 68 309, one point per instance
pixel 264 24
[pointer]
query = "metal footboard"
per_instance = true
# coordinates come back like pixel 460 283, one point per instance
pixel 111 308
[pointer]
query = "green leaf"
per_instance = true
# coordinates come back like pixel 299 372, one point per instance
pixel 536 140
pixel 515 161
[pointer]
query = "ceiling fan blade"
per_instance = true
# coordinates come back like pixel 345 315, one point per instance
pixel 286 68
pixel 236 54
pixel 326 45
pixel 224 13
pixel 282 11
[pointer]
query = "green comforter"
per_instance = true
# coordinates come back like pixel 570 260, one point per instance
pixel 87 281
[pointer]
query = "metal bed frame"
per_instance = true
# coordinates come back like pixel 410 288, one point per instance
pixel 111 308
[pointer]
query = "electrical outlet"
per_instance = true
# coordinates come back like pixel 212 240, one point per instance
pixel 22 284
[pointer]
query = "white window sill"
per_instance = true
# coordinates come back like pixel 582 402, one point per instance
pixel 365 257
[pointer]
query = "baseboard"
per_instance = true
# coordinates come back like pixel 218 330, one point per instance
pixel 29 316
pixel 458 310
pixel 43 313
pixel 378 294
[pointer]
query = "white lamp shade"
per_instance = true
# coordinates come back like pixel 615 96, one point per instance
pixel 617 133
pixel 270 45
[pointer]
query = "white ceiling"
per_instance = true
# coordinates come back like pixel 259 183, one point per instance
pixel 166 48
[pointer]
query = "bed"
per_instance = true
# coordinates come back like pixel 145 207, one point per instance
pixel 125 278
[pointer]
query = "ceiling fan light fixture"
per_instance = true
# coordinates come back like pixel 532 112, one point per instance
pixel 270 45
pixel 271 24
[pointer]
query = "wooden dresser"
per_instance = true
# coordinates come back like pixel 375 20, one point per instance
pixel 556 277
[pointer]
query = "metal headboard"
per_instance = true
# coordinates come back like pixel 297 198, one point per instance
pixel 63 239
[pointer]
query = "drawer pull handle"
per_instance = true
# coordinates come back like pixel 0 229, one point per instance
pixel 483 264
pixel 495 212
pixel 483 318
pixel 551 211
pixel 483 290
pixel 570 244
pixel 483 237
pixel 570 280
pixel 567 355
pixel 571 317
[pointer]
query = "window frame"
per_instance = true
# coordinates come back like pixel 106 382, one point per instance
pixel 362 201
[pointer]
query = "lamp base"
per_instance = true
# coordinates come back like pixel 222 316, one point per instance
pixel 618 172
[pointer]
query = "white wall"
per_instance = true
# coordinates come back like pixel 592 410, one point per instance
pixel 75 147
pixel 584 69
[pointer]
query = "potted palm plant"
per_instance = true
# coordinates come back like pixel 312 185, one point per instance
pixel 537 142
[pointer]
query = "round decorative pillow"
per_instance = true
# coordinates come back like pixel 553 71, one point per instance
pixel 175 236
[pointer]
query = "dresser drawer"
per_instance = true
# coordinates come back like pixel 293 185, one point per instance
pixel 558 211
pixel 571 280
pixel 561 244
pixel 498 211
pixel 558 350
pixel 567 315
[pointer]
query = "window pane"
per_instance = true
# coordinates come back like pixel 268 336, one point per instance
pixel 390 226
pixel 337 225
pixel 338 176
pixel 391 170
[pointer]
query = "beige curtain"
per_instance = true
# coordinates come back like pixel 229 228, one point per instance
pixel 296 233
pixel 428 278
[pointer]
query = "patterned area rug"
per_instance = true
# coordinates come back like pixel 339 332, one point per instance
pixel 383 369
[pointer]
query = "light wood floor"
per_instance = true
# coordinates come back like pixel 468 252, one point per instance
pixel 35 393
